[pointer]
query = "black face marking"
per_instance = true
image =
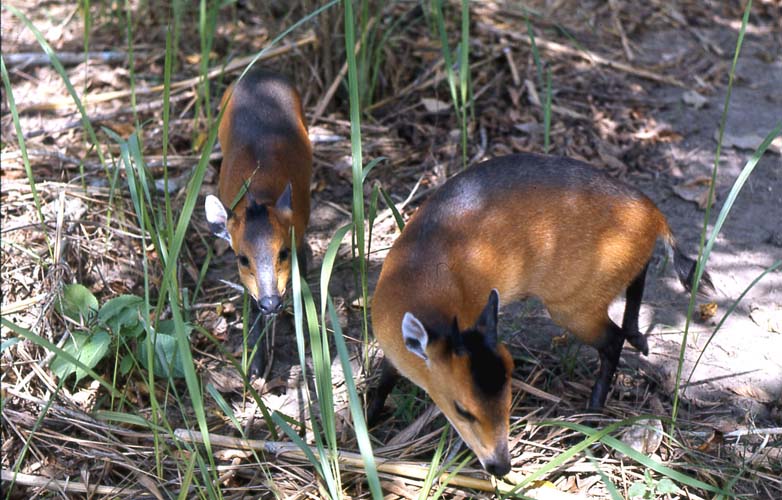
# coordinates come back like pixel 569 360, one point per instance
pixel 257 225
pixel 464 413
pixel 488 370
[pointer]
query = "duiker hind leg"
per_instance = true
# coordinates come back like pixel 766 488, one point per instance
pixel 633 299
pixel 609 350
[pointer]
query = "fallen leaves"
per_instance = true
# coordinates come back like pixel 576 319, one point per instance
pixel 695 190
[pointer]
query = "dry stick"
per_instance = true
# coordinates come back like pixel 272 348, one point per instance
pixel 21 305
pixel 67 486
pixel 234 65
pixel 102 117
pixel 349 459
pixel 620 29
pixel 67 58
pixel 534 99
pixel 529 389
pixel 586 55
pixel 324 101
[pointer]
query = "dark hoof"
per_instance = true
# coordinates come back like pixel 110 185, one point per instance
pixel 597 399
pixel 375 411
pixel 257 364
pixel 638 341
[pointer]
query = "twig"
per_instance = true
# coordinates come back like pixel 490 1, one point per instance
pixel 586 55
pixel 67 58
pixel 348 459
pixel 514 72
pixel 529 389
pixel 324 101
pixel 620 29
pixel 65 486
pixel 236 64
pixel 102 117
pixel 534 99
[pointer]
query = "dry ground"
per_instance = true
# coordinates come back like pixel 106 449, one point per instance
pixel 622 102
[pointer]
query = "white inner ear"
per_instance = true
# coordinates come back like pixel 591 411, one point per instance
pixel 215 211
pixel 216 216
pixel 415 336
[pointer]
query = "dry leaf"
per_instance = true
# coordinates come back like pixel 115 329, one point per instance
pixel 697 194
pixel 434 105
pixel 644 436
pixel 749 141
pixel 753 392
pixel 694 99
pixel 768 318
pixel 559 340
pixel 715 440
pixel 707 311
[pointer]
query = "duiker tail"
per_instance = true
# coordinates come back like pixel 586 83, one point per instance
pixel 685 266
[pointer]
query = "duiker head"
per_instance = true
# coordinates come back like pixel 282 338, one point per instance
pixel 260 236
pixel 469 379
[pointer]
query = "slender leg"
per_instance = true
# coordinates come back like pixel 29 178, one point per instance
pixel 630 330
pixel 259 323
pixel 388 378
pixel 302 255
pixel 609 359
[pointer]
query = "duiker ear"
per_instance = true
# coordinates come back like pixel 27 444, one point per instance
pixel 217 217
pixel 487 321
pixel 415 336
pixel 284 206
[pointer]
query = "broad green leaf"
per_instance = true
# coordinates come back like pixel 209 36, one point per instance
pixel 89 349
pixel 126 364
pixel 121 313
pixel 76 302
pixel 167 363
pixel 666 486
pixel 636 490
pixel 169 327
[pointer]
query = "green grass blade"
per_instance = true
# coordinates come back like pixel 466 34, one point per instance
pixel 610 486
pixel 22 145
pixel 400 221
pixel 773 267
pixel 547 115
pixel 40 341
pixel 700 262
pixel 592 437
pixel 434 466
pixel 61 71
pixel 642 459
pixel 734 192
pixel 356 410
pixel 358 174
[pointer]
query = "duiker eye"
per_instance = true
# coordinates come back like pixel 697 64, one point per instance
pixel 464 413
pixel 243 260
pixel 284 254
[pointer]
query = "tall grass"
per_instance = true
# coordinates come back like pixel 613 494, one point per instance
pixel 704 247
pixel 459 88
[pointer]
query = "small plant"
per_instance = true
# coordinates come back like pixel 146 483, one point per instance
pixel 117 322
pixel 651 488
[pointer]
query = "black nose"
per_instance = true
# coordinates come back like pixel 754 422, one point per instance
pixel 271 304
pixel 498 469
